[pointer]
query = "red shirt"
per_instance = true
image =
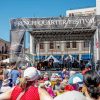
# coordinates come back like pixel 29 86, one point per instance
pixel 30 94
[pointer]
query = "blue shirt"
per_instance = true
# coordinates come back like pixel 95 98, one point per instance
pixel 14 75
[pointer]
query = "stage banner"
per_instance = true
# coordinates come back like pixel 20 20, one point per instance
pixel 17 39
pixel 33 24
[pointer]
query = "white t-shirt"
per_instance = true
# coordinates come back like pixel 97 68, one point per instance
pixel 71 95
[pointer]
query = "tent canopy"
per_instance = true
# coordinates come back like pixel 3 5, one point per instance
pixel 9 60
pixel 69 57
pixel 55 60
pixel 5 60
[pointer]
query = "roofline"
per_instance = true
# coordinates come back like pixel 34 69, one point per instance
pixel 4 40
pixel 80 8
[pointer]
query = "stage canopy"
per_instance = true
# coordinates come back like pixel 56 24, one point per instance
pixel 55 60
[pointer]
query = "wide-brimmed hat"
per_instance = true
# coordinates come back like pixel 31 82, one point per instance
pixel 31 74
pixel 6 82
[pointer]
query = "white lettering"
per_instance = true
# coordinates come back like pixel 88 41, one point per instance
pixel 63 23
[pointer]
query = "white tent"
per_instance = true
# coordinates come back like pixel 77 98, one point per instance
pixel 8 60
pixel 5 60
pixel 52 57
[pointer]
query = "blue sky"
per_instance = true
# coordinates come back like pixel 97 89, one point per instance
pixel 35 8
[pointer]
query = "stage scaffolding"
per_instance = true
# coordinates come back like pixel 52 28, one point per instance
pixel 80 28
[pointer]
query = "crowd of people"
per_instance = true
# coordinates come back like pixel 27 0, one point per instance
pixel 28 83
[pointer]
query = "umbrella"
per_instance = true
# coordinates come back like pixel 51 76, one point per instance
pixel 76 78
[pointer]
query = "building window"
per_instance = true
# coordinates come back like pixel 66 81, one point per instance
pixel 86 44
pixel 67 44
pixel 41 46
pixel 58 47
pixel 71 14
pixel 51 45
pixel 74 45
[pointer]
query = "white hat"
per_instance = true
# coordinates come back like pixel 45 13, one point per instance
pixel 31 74
pixel 71 95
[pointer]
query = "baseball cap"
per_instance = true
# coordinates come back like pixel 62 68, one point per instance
pixel 31 74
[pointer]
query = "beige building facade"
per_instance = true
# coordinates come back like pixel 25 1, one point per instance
pixel 64 48
pixel 4 49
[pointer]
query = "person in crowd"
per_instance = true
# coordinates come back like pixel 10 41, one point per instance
pixel 9 69
pixel 65 80
pixel 42 85
pixel 87 68
pixel 97 67
pixel 64 73
pixel 69 88
pixel 53 79
pixel 80 86
pixel 92 83
pixel 71 95
pixel 5 72
pixel 41 79
pixel 57 85
pixel 26 90
pixel 49 88
pixel 46 76
pixel 1 76
pixel 5 86
pixel 61 90
pixel 14 75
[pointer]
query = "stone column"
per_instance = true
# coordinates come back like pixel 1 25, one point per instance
pixel 96 45
pixel 32 47
pixel 92 51
pixel 62 48
pixel 80 49
pixel 98 29
pixel 38 50
pixel 46 43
